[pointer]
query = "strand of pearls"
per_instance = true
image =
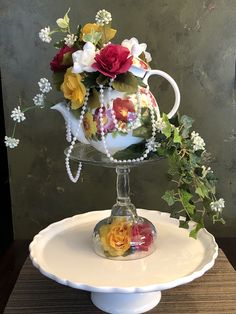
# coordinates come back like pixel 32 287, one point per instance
pixel 68 125
pixel 150 141
pixel 75 178
pixel 132 124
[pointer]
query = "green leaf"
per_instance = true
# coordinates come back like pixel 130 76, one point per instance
pixel 173 165
pixel 202 190
pixel 177 137
pixel 102 79
pixel 168 129
pixel 90 79
pixel 126 82
pixel 93 101
pixel 194 232
pixel 183 224
pixel 143 132
pixel 187 123
pixel 169 197
pixel 58 78
pixel 92 37
pixel 63 23
pixel 185 198
pixel 67 59
pixel 79 28
pixel 140 82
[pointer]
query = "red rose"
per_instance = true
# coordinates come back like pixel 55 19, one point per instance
pixel 122 108
pixel 113 60
pixel 56 64
pixel 142 236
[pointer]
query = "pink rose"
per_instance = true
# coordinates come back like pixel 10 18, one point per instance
pixel 113 60
pixel 56 64
pixel 142 236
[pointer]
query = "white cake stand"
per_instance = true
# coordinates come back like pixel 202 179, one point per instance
pixel 63 252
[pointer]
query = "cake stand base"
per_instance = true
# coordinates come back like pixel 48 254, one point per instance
pixel 126 303
pixel 63 252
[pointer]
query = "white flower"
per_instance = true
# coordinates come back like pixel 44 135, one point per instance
pixel 205 171
pixel 217 206
pixel 160 124
pixel 198 142
pixel 70 39
pixel 152 145
pixel 83 59
pixel 11 142
pixel 135 48
pixel 39 100
pixel 103 17
pixel 44 85
pixel 17 115
pixel 44 34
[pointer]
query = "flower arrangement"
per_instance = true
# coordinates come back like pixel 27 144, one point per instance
pixel 121 237
pixel 87 69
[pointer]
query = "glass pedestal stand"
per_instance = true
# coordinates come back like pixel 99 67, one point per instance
pixel 124 235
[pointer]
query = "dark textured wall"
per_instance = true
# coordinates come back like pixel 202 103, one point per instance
pixel 194 41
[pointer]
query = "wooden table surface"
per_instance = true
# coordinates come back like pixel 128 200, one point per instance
pixel 215 292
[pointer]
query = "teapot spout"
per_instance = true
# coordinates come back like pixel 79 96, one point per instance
pixel 72 120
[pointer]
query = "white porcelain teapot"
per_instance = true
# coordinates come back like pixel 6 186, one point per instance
pixel 122 119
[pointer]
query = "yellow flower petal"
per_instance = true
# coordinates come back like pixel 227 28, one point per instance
pixel 73 89
pixel 90 126
pixel 87 29
pixel 107 32
pixel 116 237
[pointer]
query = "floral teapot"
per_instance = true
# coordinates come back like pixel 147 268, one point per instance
pixel 120 119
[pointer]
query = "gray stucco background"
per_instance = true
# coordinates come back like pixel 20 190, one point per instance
pixel 192 40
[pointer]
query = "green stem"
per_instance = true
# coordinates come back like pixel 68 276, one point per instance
pixel 14 130
pixel 28 108
pixel 180 199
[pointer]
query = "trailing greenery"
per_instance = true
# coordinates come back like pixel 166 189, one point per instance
pixel 193 195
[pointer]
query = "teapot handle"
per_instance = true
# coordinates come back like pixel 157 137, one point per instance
pixel 173 84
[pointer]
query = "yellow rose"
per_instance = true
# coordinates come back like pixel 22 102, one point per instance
pixel 73 89
pixel 107 32
pixel 90 126
pixel 116 237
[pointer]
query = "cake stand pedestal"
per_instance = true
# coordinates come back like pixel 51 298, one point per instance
pixel 64 252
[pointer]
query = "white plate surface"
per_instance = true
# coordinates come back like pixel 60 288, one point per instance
pixel 63 252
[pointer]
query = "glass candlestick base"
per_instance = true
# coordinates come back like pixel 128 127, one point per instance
pixel 124 235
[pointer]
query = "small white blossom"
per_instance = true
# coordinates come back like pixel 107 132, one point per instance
pixel 217 206
pixel 44 34
pixel 70 39
pixel 205 171
pixel 17 115
pixel 160 124
pixel 39 100
pixel 11 142
pixel 103 17
pixel 83 59
pixel 152 145
pixel 44 85
pixel 198 142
